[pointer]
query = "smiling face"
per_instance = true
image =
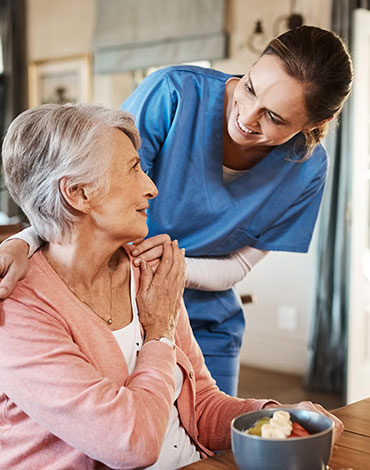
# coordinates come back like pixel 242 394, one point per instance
pixel 267 107
pixel 121 212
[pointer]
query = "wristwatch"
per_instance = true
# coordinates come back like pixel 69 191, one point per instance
pixel 165 340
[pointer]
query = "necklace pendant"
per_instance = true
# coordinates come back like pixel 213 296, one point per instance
pixel 110 321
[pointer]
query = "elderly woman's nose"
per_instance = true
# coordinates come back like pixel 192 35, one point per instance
pixel 151 190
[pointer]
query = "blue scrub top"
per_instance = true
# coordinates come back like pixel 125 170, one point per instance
pixel 274 206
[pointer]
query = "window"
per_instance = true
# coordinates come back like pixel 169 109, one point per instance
pixel 139 75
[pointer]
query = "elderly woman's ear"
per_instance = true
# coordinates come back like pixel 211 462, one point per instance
pixel 76 195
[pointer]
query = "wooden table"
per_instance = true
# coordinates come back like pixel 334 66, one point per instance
pixel 352 449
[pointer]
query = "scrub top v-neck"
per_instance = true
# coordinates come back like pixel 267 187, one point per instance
pixel 273 206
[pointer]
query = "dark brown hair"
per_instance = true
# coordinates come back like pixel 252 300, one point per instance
pixel 320 60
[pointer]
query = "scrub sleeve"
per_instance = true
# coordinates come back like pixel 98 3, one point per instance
pixel 274 206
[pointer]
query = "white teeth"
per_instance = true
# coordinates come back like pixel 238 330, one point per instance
pixel 243 128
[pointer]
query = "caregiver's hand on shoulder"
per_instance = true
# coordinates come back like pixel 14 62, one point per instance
pixel 13 265
pixel 160 293
pixel 308 405
pixel 149 250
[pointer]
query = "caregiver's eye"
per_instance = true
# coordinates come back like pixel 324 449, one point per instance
pixel 273 119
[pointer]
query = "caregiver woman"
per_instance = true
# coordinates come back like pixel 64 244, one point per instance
pixel 240 171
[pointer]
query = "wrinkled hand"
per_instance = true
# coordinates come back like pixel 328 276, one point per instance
pixel 309 406
pixel 160 293
pixel 149 250
pixel 13 265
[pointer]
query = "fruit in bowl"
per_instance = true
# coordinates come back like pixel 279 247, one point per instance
pixel 310 450
pixel 279 426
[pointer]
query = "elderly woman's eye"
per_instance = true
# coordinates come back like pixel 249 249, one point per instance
pixel 248 87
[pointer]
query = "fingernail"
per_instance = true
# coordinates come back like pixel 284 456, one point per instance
pixel 176 242
pixel 136 262
pixel 135 252
pixel 183 250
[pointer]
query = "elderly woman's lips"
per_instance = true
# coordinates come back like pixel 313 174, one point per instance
pixel 142 211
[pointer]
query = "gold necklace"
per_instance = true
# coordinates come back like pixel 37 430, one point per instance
pixel 108 321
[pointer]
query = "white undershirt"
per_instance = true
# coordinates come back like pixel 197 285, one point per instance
pixel 177 449
pixel 217 273
pixel 229 174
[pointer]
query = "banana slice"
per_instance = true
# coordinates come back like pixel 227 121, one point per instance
pixel 272 432
pixel 284 415
pixel 285 426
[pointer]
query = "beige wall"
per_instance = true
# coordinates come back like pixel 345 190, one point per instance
pixel 282 282
pixel 59 28
pixel 241 17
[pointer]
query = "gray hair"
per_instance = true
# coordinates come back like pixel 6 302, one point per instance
pixel 49 142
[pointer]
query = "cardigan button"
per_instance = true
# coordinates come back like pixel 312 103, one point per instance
pixel 191 375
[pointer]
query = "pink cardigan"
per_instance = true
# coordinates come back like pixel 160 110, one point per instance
pixel 67 401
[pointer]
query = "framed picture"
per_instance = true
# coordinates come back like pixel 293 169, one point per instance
pixel 65 80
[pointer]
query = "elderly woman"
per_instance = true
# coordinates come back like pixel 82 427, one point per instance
pixel 98 364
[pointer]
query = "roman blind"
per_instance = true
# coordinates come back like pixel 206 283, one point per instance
pixel 136 34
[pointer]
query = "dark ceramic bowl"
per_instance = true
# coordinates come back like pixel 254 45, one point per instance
pixel 295 453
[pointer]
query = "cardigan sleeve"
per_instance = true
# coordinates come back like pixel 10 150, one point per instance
pixel 214 410
pixel 47 375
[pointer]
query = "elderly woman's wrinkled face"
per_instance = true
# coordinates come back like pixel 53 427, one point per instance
pixel 268 106
pixel 122 211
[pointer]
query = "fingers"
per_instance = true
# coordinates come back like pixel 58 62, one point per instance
pixel 149 256
pixel 338 425
pixel 146 276
pixel 160 293
pixel 150 250
pixel 13 273
pixel 178 265
pixel 13 265
pixel 308 405
pixel 172 263
pixel 140 246
pixel 166 261
pixel 138 241
pixel 7 285
pixel 154 265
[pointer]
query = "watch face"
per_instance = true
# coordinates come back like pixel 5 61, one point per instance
pixel 165 340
